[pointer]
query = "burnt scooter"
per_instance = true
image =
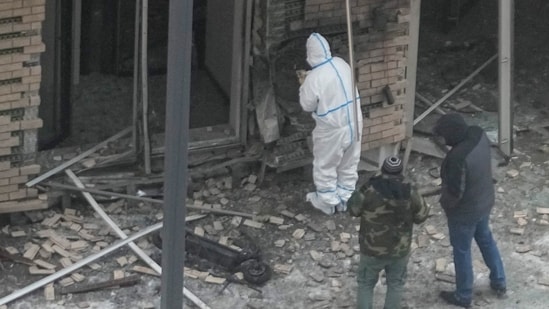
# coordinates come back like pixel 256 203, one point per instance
pixel 248 260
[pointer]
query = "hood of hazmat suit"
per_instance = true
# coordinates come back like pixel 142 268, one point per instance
pixel 318 50
pixel 327 93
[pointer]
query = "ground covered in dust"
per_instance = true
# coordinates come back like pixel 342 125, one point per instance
pixel 313 258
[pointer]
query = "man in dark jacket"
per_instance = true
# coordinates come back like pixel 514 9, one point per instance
pixel 388 205
pixel 467 198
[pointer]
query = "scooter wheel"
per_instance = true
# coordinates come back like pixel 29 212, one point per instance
pixel 255 272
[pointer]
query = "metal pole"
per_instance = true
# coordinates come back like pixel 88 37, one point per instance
pixel 135 98
pixel 132 245
pixel 145 199
pixel 411 67
pixel 352 65
pixel 506 25
pixel 454 90
pixel 428 102
pixel 407 152
pixel 176 156
pixel 65 271
pixel 144 257
pixel 76 35
pixel 145 85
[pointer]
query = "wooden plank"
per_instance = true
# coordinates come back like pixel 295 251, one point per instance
pixel 126 281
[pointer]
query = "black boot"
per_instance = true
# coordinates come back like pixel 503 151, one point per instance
pixel 450 298
pixel 501 292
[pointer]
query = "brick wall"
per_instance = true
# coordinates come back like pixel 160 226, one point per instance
pixel 20 77
pixel 381 39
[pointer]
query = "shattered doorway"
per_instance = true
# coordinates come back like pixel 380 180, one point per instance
pixel 101 98
pixel 218 82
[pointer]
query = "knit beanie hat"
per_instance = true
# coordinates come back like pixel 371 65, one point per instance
pixel 392 165
pixel 452 127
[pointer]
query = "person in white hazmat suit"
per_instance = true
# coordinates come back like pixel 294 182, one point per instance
pixel 327 93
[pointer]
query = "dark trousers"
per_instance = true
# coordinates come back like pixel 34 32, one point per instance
pixel 368 275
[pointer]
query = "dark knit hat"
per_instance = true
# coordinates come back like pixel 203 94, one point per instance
pixel 452 127
pixel 392 165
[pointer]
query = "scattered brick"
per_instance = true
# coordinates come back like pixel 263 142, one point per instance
pixel 49 292
pixel 285 269
pixel 299 233
pixel 145 270
pixel 254 224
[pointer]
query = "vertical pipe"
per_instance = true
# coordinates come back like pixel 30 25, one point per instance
pixel 176 154
pixel 145 85
pixel 135 98
pixel 243 112
pixel 506 26
pixel 57 64
pixel 237 65
pixel 411 67
pixel 352 65
pixel 76 35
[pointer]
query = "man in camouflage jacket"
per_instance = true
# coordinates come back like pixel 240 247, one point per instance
pixel 388 205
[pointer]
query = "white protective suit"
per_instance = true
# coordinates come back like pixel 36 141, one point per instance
pixel 326 93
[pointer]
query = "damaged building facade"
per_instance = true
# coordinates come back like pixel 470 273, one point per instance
pixel 244 67
pixel 382 50
pixel 20 80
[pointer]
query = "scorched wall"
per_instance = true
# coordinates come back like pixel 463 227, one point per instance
pixel 381 42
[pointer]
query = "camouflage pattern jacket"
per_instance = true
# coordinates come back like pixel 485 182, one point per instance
pixel 388 206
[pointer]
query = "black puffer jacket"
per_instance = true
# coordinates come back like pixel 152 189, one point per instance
pixel 466 172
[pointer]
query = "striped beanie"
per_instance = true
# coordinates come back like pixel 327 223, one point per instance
pixel 392 165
